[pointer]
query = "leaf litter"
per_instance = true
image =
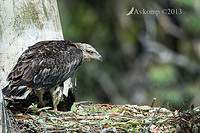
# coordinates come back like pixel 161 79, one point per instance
pixel 103 118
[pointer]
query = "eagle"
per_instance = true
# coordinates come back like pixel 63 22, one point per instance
pixel 45 66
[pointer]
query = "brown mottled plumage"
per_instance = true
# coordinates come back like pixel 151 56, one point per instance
pixel 45 66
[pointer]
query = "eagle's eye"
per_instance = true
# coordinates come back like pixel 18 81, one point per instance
pixel 91 52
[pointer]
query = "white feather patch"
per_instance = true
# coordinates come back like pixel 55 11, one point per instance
pixel 24 95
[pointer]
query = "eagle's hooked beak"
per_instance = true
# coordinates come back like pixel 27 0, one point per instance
pixel 97 56
pixel 100 58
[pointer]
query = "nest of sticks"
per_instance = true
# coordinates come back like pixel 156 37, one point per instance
pixel 88 117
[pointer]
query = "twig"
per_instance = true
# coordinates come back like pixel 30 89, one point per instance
pixel 105 130
pixel 153 101
pixel 182 105
pixel 65 130
pixel 89 116
pixel 14 122
pixel 83 102
pixel 91 128
pixel 37 126
pixel 153 119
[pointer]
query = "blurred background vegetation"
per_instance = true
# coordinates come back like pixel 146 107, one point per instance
pixel 145 56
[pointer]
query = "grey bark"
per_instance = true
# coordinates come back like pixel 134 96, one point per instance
pixel 23 23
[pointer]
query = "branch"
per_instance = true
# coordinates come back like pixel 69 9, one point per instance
pixel 153 119
pixel 161 54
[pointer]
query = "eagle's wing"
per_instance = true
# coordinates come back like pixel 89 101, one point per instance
pixel 44 65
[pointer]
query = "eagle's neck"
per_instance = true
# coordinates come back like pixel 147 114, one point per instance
pixel 82 47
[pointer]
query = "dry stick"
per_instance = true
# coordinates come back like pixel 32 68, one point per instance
pixel 108 129
pixel 182 105
pixel 180 118
pixel 83 102
pixel 153 101
pixel 92 117
pixel 153 119
pixel 91 128
pixel 76 119
pixel 65 130
pixel 14 121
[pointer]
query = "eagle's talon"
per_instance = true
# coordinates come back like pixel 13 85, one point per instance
pixel 41 105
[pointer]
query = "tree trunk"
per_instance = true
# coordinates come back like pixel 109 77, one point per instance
pixel 23 23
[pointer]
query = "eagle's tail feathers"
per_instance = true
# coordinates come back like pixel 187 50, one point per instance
pixel 17 92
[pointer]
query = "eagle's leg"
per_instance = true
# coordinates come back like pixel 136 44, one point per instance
pixel 57 95
pixel 40 93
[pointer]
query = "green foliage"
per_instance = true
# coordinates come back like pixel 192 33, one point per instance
pixel 192 23
pixel 6 103
pixel 127 62
pixel 73 107
pixel 163 75
pixel 33 107
pixel 185 3
pixel 174 97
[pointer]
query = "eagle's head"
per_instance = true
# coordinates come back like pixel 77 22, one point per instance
pixel 89 52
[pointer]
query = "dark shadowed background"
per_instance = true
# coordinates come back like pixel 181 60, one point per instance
pixel 145 56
